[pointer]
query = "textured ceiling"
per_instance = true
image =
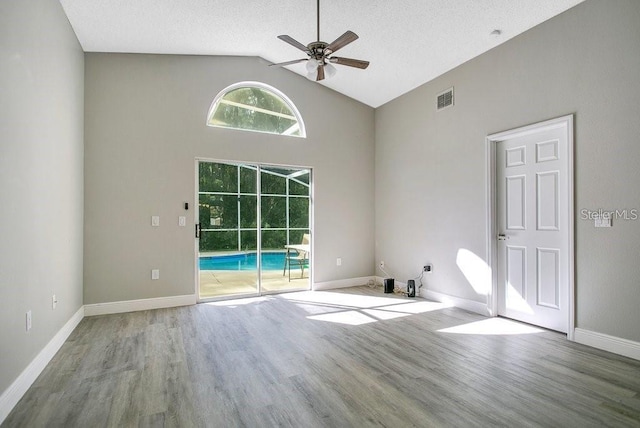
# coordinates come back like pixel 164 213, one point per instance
pixel 408 42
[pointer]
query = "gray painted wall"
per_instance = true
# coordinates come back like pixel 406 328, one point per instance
pixel 41 184
pixel 145 125
pixel 431 168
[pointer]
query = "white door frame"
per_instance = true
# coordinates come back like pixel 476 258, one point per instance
pixel 566 122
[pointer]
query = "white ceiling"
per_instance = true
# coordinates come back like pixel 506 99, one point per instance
pixel 408 42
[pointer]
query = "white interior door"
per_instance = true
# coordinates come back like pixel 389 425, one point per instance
pixel 533 225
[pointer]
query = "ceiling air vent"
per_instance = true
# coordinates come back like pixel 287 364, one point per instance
pixel 445 99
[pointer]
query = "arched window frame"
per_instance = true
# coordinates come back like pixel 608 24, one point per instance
pixel 263 86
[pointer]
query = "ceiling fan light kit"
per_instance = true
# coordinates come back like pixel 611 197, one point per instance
pixel 319 54
pixel 312 69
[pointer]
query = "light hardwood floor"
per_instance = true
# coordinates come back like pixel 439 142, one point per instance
pixel 352 358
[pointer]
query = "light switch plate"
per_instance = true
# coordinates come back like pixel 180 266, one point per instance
pixel 602 221
pixel 182 221
pixel 155 273
pixel 155 220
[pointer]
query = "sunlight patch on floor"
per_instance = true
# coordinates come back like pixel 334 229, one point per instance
pixel 344 308
pixel 417 307
pixel 356 309
pixel 382 314
pixel 342 299
pixel 493 326
pixel 238 302
pixel 344 317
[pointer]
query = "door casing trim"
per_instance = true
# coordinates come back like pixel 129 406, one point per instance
pixel 567 123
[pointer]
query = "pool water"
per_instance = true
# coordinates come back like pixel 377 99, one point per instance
pixel 247 261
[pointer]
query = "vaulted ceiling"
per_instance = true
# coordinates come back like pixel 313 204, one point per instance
pixel 408 42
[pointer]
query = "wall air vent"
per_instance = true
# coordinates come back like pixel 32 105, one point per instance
pixel 445 99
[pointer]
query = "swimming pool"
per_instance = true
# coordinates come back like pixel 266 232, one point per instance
pixel 244 261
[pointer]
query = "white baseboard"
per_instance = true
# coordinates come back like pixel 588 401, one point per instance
pixel 19 387
pixel 458 302
pixel 138 305
pixel 617 345
pixel 342 283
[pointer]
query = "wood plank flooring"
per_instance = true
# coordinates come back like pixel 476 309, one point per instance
pixel 351 358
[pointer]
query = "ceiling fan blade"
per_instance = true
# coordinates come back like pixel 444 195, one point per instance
pixel 320 73
pixel 358 63
pixel 293 42
pixel 342 41
pixel 282 64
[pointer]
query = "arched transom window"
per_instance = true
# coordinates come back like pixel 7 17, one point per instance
pixel 255 106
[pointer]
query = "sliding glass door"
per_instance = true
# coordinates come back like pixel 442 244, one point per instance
pixel 253 229
pixel 228 201
pixel 284 225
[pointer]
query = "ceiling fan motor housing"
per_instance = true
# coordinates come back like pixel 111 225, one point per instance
pixel 318 50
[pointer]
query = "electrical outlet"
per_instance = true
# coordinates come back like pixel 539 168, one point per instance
pixel 28 320
pixel 427 268
pixel 155 273
pixel 54 301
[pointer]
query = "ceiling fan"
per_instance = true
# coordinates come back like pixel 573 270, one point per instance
pixel 319 54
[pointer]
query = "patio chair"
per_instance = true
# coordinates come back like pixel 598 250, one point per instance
pixel 299 254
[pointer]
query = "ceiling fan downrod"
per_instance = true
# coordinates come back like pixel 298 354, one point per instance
pixel 318 20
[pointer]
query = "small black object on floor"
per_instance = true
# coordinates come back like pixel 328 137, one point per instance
pixel 411 288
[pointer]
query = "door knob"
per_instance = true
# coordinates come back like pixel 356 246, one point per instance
pixel 502 237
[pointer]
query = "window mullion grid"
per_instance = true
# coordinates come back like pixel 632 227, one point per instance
pixel 222 100
pixel 259 227
pixel 287 209
pixel 218 193
pixel 238 205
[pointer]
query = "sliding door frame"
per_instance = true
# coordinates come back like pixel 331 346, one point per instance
pixel 259 166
